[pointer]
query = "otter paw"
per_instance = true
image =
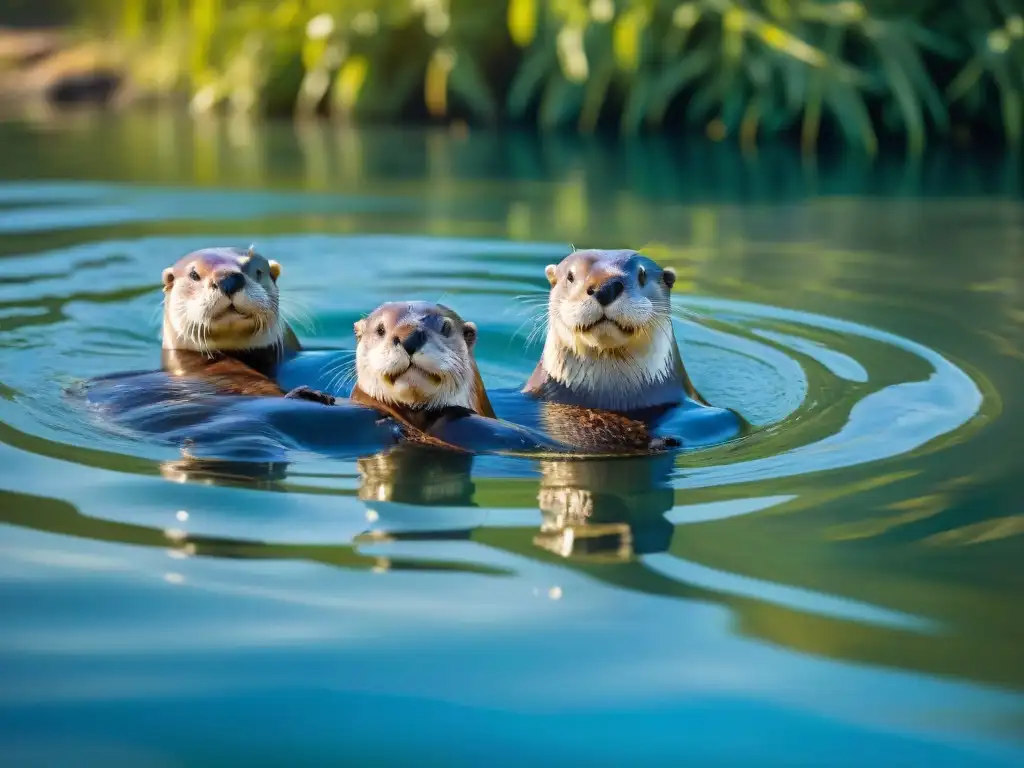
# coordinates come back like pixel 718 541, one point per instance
pixel 314 395
pixel 662 443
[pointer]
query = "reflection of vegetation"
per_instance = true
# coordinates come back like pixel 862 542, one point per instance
pixel 759 67
pixel 964 581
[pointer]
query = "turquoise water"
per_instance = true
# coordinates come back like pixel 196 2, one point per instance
pixel 841 587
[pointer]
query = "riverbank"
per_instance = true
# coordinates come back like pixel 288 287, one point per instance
pixel 841 74
pixel 58 66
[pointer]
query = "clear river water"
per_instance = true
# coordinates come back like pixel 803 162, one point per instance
pixel 843 586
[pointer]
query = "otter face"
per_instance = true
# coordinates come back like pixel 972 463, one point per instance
pixel 417 355
pixel 221 299
pixel 608 301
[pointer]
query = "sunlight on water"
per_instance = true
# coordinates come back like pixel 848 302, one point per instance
pixel 794 592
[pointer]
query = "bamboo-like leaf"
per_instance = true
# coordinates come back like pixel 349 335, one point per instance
pixel 796 83
pixel 594 97
pixel 522 21
pixel 674 42
pixel 627 37
pixel 1010 98
pixel 348 83
pixel 561 102
pixel 852 115
pixel 733 106
pixel 674 79
pixel 930 40
pixel 637 104
pixel 385 96
pixel 904 53
pixel 709 96
pixel 906 98
pixel 966 80
pixel 528 80
pixel 468 83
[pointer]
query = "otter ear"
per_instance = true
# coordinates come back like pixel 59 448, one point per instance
pixel 551 270
pixel 668 276
pixel 275 270
pixel 359 327
pixel 168 278
pixel 469 333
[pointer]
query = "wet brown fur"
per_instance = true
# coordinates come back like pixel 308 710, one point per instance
pixel 229 371
pixel 417 423
pixel 562 412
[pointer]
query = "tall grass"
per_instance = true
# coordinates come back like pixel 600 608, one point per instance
pixel 863 70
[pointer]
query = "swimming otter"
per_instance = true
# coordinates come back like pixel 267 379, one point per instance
pixel 222 334
pixel 222 321
pixel 610 378
pixel 414 362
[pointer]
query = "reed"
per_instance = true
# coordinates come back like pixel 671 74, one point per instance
pixel 862 70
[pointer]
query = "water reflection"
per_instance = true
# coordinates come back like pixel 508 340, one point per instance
pixel 879 593
pixel 606 510
pixel 239 474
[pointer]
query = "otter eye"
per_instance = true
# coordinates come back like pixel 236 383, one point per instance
pixel 446 328
pixel 569 277
pixel 641 277
pixel 193 274
pixel 259 274
pixel 380 330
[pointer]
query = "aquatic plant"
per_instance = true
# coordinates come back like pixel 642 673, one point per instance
pixel 862 69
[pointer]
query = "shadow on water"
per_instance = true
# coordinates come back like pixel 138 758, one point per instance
pixel 855 561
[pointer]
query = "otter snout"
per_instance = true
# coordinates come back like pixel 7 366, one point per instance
pixel 609 292
pixel 413 341
pixel 231 283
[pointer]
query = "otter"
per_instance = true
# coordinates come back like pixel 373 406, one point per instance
pixel 610 377
pixel 223 336
pixel 415 363
pixel 222 321
pixel 222 333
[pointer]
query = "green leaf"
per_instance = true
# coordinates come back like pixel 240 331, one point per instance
pixel 637 104
pixel 1010 98
pixel 852 114
pixel 386 95
pixel 594 96
pixel 673 80
pixel 795 82
pixel 903 92
pixel 560 103
pixel 733 106
pixel 468 83
pixel 966 80
pixel 904 53
pixel 538 66
pixel 710 95
pixel 931 40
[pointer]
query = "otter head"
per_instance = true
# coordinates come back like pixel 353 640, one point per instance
pixel 609 302
pixel 222 299
pixel 418 355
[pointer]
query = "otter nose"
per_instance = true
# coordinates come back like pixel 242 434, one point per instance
pixel 413 342
pixel 232 283
pixel 609 292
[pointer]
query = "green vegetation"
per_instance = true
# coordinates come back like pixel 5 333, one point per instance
pixel 863 70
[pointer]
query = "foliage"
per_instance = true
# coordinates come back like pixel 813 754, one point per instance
pixel 745 68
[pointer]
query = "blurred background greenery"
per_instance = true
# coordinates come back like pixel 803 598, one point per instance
pixel 857 72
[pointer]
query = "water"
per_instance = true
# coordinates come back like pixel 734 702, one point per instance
pixel 841 587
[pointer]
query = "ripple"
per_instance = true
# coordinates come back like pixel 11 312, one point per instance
pixel 596 584
pixel 101 316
